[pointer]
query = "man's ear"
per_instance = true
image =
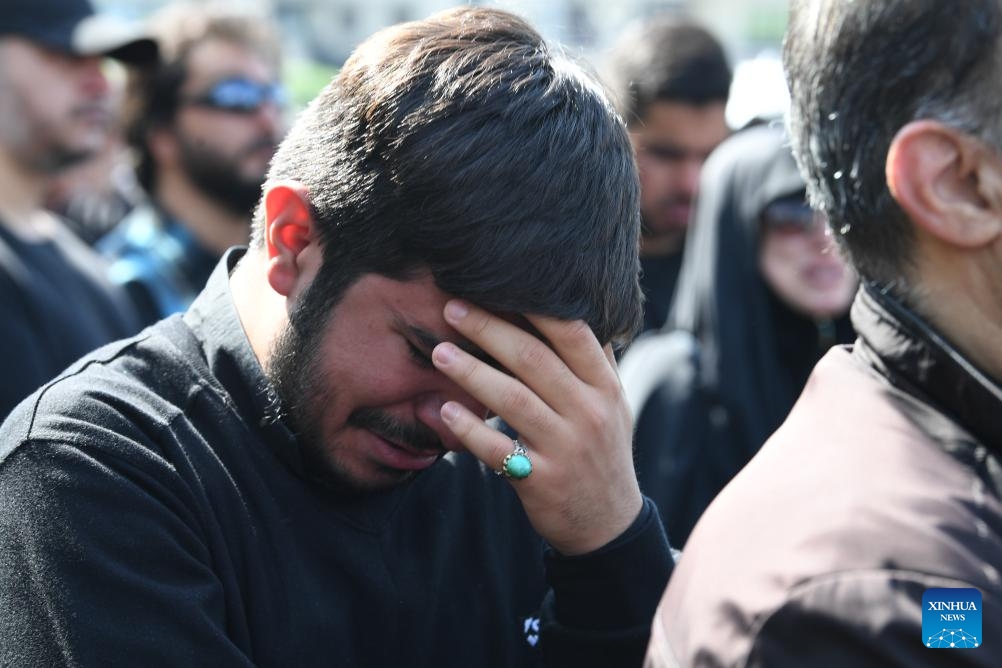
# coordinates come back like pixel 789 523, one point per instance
pixel 949 183
pixel 289 232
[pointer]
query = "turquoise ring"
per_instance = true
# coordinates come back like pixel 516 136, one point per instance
pixel 516 464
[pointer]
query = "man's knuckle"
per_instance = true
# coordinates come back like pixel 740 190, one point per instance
pixel 481 325
pixel 596 417
pixel 515 402
pixel 469 372
pixel 531 354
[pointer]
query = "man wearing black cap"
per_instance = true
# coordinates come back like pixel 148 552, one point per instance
pixel 54 113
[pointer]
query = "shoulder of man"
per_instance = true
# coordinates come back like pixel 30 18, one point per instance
pixel 864 618
pixel 116 397
pixel 843 487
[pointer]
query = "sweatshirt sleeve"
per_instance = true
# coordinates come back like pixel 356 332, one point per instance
pixel 600 606
pixel 100 564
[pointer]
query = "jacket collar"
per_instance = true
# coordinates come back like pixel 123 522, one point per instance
pixel 917 359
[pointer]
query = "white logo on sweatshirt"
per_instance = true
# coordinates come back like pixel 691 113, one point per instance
pixel 531 629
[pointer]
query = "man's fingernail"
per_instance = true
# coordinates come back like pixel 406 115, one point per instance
pixel 450 411
pixel 455 310
pixel 444 353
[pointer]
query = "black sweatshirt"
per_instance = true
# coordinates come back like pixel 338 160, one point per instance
pixel 55 306
pixel 151 515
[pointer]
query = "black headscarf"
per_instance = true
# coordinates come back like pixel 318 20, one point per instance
pixel 750 354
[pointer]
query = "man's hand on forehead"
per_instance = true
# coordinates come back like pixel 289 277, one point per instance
pixel 561 393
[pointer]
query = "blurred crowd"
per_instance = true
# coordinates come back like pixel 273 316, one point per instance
pixel 122 188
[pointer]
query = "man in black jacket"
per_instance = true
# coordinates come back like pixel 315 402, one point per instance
pixel 866 532
pixel 298 470
pixel 671 81
pixel 55 304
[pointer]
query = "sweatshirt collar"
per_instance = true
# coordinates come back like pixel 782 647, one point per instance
pixel 214 319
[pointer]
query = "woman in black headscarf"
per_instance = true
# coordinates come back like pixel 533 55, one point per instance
pixel 762 295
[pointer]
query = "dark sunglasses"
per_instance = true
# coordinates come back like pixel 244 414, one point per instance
pixel 240 96
pixel 790 215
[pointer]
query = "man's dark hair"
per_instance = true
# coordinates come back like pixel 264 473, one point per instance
pixel 152 95
pixel 860 71
pixel 463 146
pixel 669 59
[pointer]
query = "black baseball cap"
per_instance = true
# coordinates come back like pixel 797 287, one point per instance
pixel 72 26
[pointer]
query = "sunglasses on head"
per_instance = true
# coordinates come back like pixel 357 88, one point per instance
pixel 789 215
pixel 241 96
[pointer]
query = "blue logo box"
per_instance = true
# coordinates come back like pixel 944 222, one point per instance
pixel 951 618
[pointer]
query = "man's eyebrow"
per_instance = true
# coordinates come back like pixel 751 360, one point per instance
pixel 666 148
pixel 428 340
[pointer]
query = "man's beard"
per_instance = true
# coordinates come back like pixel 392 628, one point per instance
pixel 305 392
pixel 218 176
pixel 60 158
pixel 53 155
pixel 656 222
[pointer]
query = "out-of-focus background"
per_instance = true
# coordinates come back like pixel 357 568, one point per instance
pixel 317 35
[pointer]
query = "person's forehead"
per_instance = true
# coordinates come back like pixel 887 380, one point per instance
pixel 24 49
pixel 691 127
pixel 413 301
pixel 215 58
pixel 24 62
pixel 414 307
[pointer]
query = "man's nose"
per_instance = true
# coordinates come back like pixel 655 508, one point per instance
pixel 271 119
pixel 818 231
pixel 92 77
pixel 690 170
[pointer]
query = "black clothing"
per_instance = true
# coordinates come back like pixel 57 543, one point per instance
pixel 151 512
pixel 658 276
pixel 884 481
pixel 55 306
pixel 741 355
